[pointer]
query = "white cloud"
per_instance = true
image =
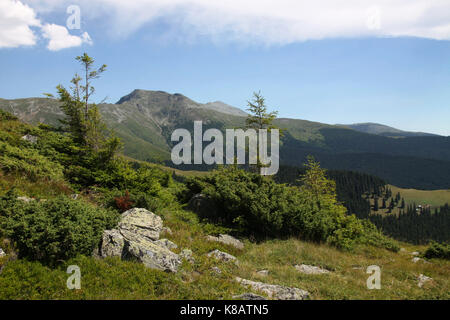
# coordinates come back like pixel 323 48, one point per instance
pixel 60 38
pixel 270 21
pixel 16 20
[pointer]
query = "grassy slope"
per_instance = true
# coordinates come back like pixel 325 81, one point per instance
pixel 434 198
pixel 115 279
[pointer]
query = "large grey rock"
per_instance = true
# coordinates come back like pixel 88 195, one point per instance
pixel 137 223
pixel 307 269
pixel 422 279
pixel 153 256
pixel 222 256
pixel 227 239
pixel 137 238
pixel 249 296
pixel 275 291
pixel 113 244
pixel 166 243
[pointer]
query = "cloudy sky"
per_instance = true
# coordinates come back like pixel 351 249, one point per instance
pixel 332 61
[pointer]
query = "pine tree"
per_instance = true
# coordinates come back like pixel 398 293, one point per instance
pixel 83 120
pixel 259 118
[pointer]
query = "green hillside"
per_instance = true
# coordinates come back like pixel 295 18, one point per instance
pixel 144 120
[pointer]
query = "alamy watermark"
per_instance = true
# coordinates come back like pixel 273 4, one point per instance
pixel 374 280
pixel 235 140
pixel 73 22
pixel 74 280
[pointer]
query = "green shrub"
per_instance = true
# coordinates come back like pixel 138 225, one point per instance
pixel 28 161
pixel 256 206
pixel 438 250
pixel 53 230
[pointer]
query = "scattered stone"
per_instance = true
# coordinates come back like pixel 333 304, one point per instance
pixel 227 239
pixel 74 196
pixel 423 280
pixel 25 199
pixel 166 230
pixel 137 238
pixel 2 253
pixel 415 253
pixel 166 243
pixel 216 270
pixel 187 254
pixel 263 272
pixel 249 296
pixel 222 256
pixel 306 269
pixel 275 291
pixel 416 259
pixel 30 138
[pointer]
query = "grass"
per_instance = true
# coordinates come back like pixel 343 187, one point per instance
pixel 114 279
pixel 434 198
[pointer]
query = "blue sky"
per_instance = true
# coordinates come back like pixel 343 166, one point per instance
pixel 401 81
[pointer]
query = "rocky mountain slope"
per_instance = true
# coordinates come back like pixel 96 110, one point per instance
pixel 145 120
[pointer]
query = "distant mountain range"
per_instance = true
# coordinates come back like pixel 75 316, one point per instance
pixel 145 120
pixel 383 130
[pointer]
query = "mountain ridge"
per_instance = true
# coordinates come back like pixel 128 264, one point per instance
pixel 145 120
pixel 384 130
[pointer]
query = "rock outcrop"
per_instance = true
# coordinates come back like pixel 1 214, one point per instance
pixel 222 256
pixel 137 238
pixel 249 296
pixel 275 291
pixel 30 138
pixel 187 255
pixel 306 269
pixel 227 239
pixel 422 279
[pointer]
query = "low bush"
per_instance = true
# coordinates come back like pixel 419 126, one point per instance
pixel 53 230
pixel 438 250
pixel 256 206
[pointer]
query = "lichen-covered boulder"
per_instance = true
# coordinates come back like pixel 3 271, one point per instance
pixel 275 291
pixel 137 238
pixel 113 244
pixel 153 256
pixel 227 239
pixel 222 256
pixel 137 223
pixel 166 243
pixel 249 296
pixel 307 269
